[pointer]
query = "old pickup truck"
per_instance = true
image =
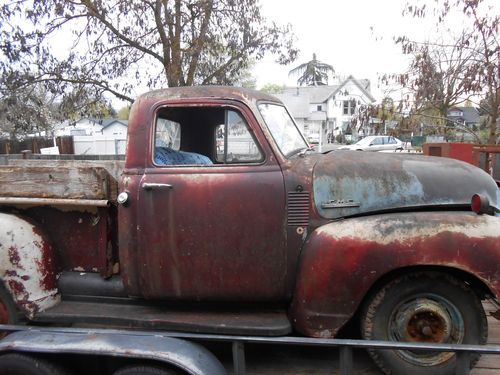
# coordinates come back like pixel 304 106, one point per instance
pixel 222 220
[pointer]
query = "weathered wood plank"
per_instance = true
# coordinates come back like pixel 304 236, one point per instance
pixel 114 167
pixel 57 182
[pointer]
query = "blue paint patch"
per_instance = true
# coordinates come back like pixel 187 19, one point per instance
pixel 385 182
pixel 372 194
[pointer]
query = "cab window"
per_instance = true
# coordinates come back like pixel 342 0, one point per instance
pixel 203 136
pixel 235 143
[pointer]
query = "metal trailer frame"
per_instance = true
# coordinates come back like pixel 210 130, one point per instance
pixel 175 348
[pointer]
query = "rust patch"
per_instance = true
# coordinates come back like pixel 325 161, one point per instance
pixel 67 249
pixel 19 291
pixel 11 273
pixel 4 314
pixel 48 279
pixel 338 268
pixel 14 258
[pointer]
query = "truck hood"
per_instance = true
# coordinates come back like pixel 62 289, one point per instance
pixel 347 183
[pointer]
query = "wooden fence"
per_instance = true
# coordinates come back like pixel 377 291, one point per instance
pixel 34 144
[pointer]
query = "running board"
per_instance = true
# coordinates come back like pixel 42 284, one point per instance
pixel 198 320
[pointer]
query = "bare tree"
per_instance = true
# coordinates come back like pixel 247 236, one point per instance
pixel 472 68
pixel 34 108
pixel 118 45
pixel 440 76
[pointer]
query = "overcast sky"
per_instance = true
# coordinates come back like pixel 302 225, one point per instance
pixel 354 36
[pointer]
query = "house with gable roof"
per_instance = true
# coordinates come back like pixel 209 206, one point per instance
pixel 321 111
pixel 114 127
pixel 465 116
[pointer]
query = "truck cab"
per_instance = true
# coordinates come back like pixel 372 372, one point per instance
pixel 206 219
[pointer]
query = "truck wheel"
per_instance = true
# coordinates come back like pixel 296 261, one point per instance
pixel 22 364
pixel 425 307
pixel 144 370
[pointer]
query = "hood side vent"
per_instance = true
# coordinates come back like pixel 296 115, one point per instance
pixel 298 208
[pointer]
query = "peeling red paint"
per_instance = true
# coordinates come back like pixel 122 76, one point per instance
pixel 14 256
pixel 27 271
pixel 17 287
pixel 48 280
pixel 11 273
pixel 70 232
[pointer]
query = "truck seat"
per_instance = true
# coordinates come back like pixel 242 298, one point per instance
pixel 168 156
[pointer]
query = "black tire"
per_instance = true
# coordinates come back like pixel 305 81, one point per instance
pixel 144 370
pixel 423 307
pixel 22 364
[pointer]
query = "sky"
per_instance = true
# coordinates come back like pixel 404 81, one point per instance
pixel 356 37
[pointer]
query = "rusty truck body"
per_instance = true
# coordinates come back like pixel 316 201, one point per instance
pixel 221 220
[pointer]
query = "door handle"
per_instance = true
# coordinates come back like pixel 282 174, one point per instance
pixel 155 186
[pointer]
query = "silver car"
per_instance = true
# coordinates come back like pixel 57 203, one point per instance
pixel 376 143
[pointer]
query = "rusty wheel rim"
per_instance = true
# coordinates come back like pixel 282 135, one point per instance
pixel 426 319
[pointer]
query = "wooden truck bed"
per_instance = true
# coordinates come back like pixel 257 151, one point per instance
pixel 54 181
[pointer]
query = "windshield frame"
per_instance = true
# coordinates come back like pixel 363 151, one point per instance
pixel 295 150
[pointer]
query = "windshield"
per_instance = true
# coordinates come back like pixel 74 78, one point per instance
pixel 284 131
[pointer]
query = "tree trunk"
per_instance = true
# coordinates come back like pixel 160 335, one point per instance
pixel 492 137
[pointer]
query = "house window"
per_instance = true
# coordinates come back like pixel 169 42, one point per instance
pixel 349 107
pixel 319 108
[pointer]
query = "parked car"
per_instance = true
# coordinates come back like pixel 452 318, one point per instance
pixel 376 143
pixel 313 139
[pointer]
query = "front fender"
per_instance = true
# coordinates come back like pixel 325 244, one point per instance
pixel 342 260
pixel 27 266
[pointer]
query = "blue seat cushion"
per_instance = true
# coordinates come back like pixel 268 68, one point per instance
pixel 168 156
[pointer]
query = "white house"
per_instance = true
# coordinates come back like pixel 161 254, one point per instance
pixel 114 127
pixel 93 126
pixel 325 111
pixel 84 126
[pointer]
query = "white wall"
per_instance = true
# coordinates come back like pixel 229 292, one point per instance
pixel 100 145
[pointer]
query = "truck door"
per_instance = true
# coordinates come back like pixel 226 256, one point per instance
pixel 211 223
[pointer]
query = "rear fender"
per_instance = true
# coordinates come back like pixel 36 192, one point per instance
pixel 27 266
pixel 342 260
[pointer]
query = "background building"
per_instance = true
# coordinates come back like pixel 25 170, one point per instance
pixel 325 112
